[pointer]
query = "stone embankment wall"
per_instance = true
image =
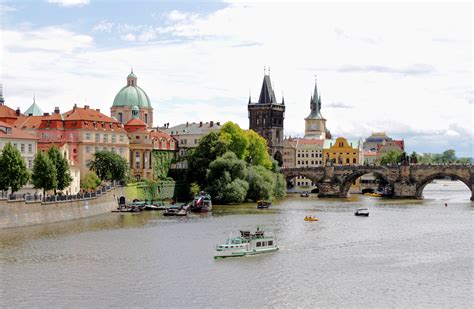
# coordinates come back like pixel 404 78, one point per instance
pixel 21 213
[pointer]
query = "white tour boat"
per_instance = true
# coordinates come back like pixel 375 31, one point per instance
pixel 247 244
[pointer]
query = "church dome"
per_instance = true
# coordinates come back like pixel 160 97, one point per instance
pixel 132 95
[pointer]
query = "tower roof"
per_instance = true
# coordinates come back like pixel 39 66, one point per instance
pixel 132 95
pixel 267 95
pixel 315 104
pixel 34 110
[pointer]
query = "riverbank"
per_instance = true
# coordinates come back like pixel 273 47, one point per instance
pixel 21 213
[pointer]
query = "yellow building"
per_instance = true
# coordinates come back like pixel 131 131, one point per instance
pixel 342 151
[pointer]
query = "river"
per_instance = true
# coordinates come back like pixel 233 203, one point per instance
pixel 408 253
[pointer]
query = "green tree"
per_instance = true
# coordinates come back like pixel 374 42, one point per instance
pixel 391 157
pixel 109 166
pixel 44 173
pixel 226 179
pixel 236 139
pixel 195 188
pixel 280 185
pixel 210 147
pixel 257 153
pixel 63 176
pixel 151 189
pixel 13 171
pixel 261 183
pixel 90 181
pixel 448 156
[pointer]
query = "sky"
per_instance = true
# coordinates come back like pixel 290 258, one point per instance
pixel 401 68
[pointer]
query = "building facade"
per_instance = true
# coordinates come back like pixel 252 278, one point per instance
pixel 188 135
pixel 23 141
pixel 132 96
pixel 266 117
pixel 342 152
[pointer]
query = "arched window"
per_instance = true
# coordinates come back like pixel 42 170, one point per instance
pixel 146 118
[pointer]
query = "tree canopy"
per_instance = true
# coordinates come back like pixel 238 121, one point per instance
pixel 63 177
pixel 109 166
pixel 13 171
pixel 90 181
pixel 44 173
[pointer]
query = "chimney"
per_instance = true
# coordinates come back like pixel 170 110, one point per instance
pixel 200 123
pixel 218 123
pixel 187 124
pixel 56 110
pixel 211 124
pixel 86 106
pixel 97 110
pixel 45 114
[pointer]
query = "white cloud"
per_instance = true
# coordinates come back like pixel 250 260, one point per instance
pixel 401 79
pixel 176 15
pixel 69 3
pixel 128 37
pixel 104 26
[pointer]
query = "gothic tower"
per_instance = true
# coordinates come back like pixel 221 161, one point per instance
pixel 315 124
pixel 266 118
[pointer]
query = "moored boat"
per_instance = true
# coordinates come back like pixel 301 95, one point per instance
pixel 247 244
pixel 304 194
pixel 201 203
pixel 263 204
pixel 362 212
pixel 175 210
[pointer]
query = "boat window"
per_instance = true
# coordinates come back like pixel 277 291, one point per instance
pixel 259 244
pixel 270 242
pixel 264 243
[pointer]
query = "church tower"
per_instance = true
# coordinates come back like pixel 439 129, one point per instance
pixel 266 118
pixel 315 124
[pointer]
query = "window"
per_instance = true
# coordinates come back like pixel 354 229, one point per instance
pixel 88 136
pixel 120 150
pixel 113 149
pixel 137 159
pixel 96 149
pixel 97 138
pixel 113 139
pixel 270 242
pixel 120 117
pixel 105 149
pixel 88 149
pixel 354 161
pixel 121 138
pixel 30 148
pixel 146 118
pixel 259 244
pixel 106 138
pixel 347 160
pixel 22 147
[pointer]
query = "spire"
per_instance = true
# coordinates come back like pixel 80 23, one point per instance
pixel 266 94
pixel 315 103
pixel 2 100
pixel 250 98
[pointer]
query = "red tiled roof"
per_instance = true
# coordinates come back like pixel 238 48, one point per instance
pixel 308 141
pixel 28 122
pixel 370 153
pixel 135 122
pixel 78 113
pixel 16 133
pixel 161 134
pixel 7 112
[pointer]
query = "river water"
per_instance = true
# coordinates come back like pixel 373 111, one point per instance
pixel 408 253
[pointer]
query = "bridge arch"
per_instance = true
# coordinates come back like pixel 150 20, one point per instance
pixel 348 180
pixel 421 183
pixel 306 173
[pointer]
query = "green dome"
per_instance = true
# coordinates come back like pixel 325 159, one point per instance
pixel 132 95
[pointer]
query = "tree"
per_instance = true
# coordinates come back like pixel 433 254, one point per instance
pixel 391 157
pixel 109 166
pixel 257 153
pixel 63 177
pixel 210 147
pixel 261 183
pixel 226 179
pixel 235 138
pixel 13 171
pixel 280 185
pixel 151 190
pixel 44 173
pixel 90 181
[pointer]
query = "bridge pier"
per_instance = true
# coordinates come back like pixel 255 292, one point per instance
pixel 330 189
pixel 404 189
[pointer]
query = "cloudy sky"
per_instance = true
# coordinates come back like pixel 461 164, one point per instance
pixel 404 68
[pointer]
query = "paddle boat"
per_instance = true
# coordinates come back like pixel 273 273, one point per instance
pixel 310 218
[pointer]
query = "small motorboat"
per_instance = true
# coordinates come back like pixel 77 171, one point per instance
pixel 374 194
pixel 362 212
pixel 263 204
pixel 175 211
pixel 310 218
pixel 304 194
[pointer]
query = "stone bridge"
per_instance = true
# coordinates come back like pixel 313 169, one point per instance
pixel 406 181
